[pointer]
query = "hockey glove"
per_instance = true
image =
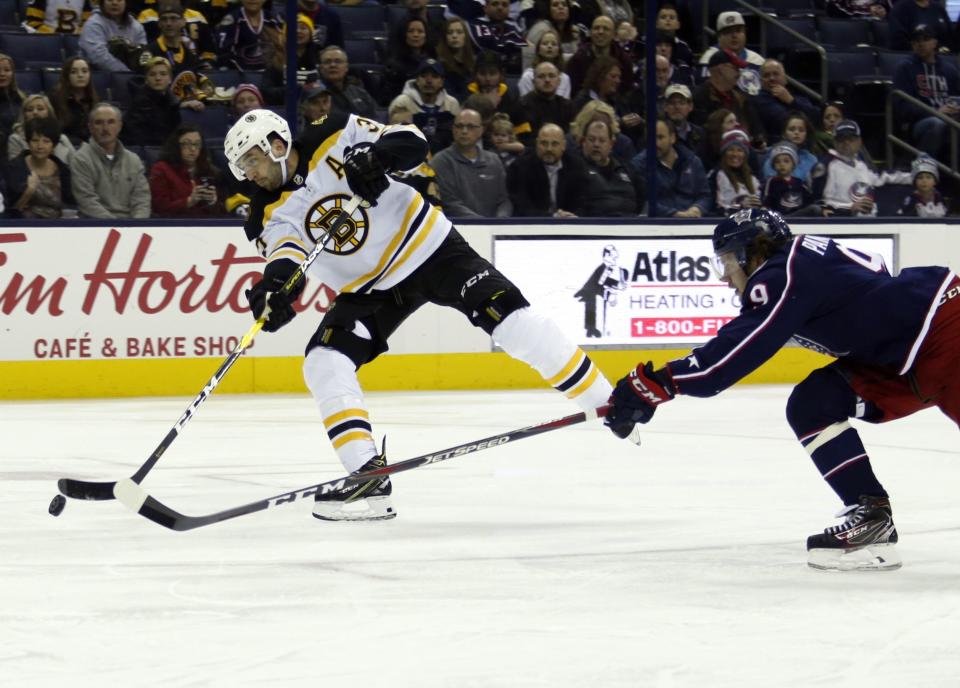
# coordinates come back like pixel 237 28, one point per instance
pixel 636 397
pixel 365 172
pixel 269 291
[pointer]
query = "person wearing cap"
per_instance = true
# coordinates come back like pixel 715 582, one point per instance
pixel 316 102
pixel 495 31
pixel 735 186
pixel 247 97
pixel 601 43
pixel 347 92
pixel 472 181
pixel 925 199
pixel 858 9
pixel 433 108
pixel 848 183
pixel 677 106
pixel 732 37
pixel 720 91
pixel 783 191
pixel 490 82
pixel 682 188
pixel 908 14
pixel 543 104
pixel 775 101
pixel 933 80
pixel 169 17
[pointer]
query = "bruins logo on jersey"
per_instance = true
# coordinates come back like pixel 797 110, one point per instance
pixel 324 213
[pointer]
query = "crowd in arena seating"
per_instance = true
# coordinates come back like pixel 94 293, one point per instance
pixel 118 108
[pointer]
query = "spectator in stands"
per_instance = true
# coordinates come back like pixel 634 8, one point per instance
pixel 154 111
pixel 858 9
pixel 455 53
pixel 783 191
pixel 327 28
pixel 490 82
pixel 623 146
pixel 925 200
pixel 406 49
pixel 169 36
pixel 434 109
pixel 108 180
pixel 247 97
pixel 544 104
pixel 848 182
pixel 37 106
pixel 496 32
pixel 823 136
pixel 243 36
pixel 718 123
pixel 11 97
pixel 682 189
pixel 183 182
pixel 933 80
pixel 720 91
pixel 614 189
pixel 668 23
pixel 798 131
pixel 679 72
pixel 421 10
pixel 732 38
pixel 602 83
pixel 110 21
pixel 556 17
pixel 274 86
pixel 735 186
pixel 472 180
pixel 503 140
pixel 677 106
pixel 907 14
pixel 347 92
pixel 601 44
pixel 56 16
pixel 549 181
pixel 775 101
pixel 37 182
pixel 73 97
pixel 316 103
pixel 546 49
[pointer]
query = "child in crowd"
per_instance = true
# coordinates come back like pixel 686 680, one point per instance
pixel 783 191
pixel 503 139
pixel 925 201
pixel 736 187
pixel 798 130
pixel 848 181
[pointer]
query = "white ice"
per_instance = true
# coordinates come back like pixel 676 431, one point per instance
pixel 565 560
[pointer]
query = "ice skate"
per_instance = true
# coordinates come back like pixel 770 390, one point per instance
pixel 865 541
pixel 369 501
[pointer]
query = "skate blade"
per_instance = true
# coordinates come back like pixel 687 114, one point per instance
pixel 870 558
pixel 370 509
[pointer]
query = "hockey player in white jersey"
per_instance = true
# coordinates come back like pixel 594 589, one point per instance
pixel 396 253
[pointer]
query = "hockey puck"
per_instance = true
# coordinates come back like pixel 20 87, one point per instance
pixel 56 505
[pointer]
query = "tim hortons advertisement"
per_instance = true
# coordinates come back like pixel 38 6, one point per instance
pixel 163 292
pixel 637 292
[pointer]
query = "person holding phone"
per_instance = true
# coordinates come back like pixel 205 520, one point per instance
pixel 183 181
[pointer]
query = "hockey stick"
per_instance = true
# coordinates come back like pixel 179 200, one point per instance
pixel 136 498
pixel 82 489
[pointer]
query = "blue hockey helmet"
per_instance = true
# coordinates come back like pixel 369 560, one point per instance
pixel 735 234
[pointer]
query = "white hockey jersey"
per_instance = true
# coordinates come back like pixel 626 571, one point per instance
pixel 379 246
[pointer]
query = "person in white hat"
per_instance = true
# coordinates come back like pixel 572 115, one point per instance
pixel 677 106
pixel 925 200
pixel 732 36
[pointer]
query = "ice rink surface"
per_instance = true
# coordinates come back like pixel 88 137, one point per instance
pixel 570 559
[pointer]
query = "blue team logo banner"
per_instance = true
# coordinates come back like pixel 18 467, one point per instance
pixel 618 291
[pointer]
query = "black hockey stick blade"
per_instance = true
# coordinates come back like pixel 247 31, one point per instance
pixel 135 498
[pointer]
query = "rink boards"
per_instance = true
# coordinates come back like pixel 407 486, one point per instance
pixel 151 308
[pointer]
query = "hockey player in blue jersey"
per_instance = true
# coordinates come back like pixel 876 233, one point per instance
pixel 897 344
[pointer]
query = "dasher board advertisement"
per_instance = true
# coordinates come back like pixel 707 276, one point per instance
pixel 620 291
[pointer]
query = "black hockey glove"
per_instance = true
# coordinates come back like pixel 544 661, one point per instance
pixel 365 172
pixel 636 397
pixel 269 290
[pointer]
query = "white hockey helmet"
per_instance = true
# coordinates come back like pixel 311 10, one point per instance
pixel 253 130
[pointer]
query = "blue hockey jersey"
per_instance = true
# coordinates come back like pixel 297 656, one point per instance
pixel 827 297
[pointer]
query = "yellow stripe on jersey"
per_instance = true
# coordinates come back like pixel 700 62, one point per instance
pixel 415 244
pixel 268 211
pixel 412 210
pixel 572 365
pixel 322 149
pixel 585 385
pixel 330 421
pixel 351 437
pixel 34 12
pixel 288 247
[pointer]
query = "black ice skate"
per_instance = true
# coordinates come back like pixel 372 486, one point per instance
pixel 369 501
pixel 866 540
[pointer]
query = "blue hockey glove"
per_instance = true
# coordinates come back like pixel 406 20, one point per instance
pixel 636 397
pixel 365 172
pixel 269 290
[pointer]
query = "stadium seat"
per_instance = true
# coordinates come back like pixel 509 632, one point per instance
pixel 790 8
pixel 843 33
pixel 889 198
pixel 779 42
pixel 880 33
pixel 362 50
pixel 213 122
pixel 363 21
pixel 150 155
pixel 9 17
pixel 71 45
pixel 33 49
pixel 846 67
pixel 119 88
pixel 253 77
pixel 30 82
pixel 888 60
